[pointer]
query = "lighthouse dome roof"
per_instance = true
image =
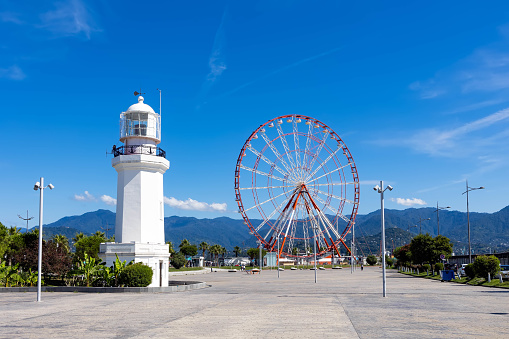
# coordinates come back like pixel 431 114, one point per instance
pixel 140 107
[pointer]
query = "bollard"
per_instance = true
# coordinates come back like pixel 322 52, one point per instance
pixel 427 273
pixel 417 271
pixel 489 277
pixel 500 277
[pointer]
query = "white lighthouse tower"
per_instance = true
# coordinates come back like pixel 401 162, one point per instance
pixel 140 164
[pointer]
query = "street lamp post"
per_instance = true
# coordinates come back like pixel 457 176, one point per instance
pixel 468 219
pixel 438 221
pixel 380 189
pixel 27 219
pixel 40 186
pixel 409 227
pixel 314 248
pixel 420 226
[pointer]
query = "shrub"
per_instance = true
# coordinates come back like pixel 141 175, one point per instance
pixel 484 265
pixel 136 275
pixel 178 260
pixel 439 266
pixel 470 271
pixel 371 260
pixel 426 267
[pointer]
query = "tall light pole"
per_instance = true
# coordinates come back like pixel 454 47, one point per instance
pixel 438 221
pixel 26 219
pixel 380 189
pixel 409 227
pixel 314 247
pixel 468 219
pixel 40 186
pixel 420 226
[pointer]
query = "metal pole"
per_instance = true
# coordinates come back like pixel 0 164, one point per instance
pixel 260 257
pixel 468 224
pixel 39 265
pixel 383 236
pixel 314 249
pixel 278 255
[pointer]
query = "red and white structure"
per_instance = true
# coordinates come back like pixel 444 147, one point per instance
pixel 296 182
pixel 140 164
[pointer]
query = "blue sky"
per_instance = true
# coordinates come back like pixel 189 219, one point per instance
pixel 419 92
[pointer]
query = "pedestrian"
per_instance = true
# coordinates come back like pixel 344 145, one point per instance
pixel 362 267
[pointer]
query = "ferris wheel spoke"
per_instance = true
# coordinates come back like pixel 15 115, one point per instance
pixel 275 151
pixel 323 163
pixel 308 145
pixel 267 187
pixel 297 148
pixel 318 150
pixel 333 196
pixel 337 184
pixel 285 145
pixel 264 158
pixel 261 173
pixel 266 201
pixel 330 172
pixel 272 214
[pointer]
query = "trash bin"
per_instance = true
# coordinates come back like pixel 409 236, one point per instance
pixel 447 275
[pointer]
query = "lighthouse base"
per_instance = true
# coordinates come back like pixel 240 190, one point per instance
pixel 155 256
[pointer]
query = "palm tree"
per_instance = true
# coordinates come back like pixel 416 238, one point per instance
pixel 14 230
pixel 78 237
pixel 237 250
pixel 99 234
pixel 184 242
pixel 203 247
pixel 62 242
pixel 215 250
pixel 170 245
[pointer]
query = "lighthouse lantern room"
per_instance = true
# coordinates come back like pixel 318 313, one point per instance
pixel 140 164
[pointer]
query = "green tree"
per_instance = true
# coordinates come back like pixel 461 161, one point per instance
pixel 442 245
pixel 5 240
pixel 203 247
pixel 403 255
pixel 90 245
pixel 371 260
pixel 422 248
pixel 189 250
pixel 214 251
pixel 61 241
pixel 237 250
pixel 295 251
pixel 78 237
pixel 486 264
pixel 184 242
pixel 178 260
pixel 254 253
pixel 170 247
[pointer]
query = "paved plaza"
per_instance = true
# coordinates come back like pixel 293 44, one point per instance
pixel 238 305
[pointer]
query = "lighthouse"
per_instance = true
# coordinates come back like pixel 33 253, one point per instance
pixel 140 165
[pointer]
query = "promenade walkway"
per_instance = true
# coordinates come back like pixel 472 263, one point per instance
pixel 236 305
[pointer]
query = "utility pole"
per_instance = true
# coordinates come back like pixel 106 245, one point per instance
pixel 26 219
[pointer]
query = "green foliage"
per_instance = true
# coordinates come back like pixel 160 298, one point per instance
pixel 184 242
pixel 178 260
pixel 136 275
pixel 203 247
pixel 371 260
pixel 5 240
pixel 89 245
pixel 295 251
pixel 426 267
pixel 254 253
pixel 442 245
pixel 189 250
pixel 403 255
pixel 422 248
pixel 470 271
pixel 389 261
pixel 439 266
pixel 170 247
pixel 237 250
pixel 486 264
pixel 61 241
pixel 89 268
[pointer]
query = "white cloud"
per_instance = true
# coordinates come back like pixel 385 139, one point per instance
pixel 10 17
pixel 12 73
pixel 409 202
pixel 108 200
pixel 84 197
pixel 194 205
pixel 68 19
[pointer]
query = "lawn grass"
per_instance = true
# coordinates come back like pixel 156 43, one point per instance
pixel 463 280
pixel 184 269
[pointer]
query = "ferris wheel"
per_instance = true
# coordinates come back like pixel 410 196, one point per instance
pixel 296 185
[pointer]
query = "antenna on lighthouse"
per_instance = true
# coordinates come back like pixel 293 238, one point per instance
pixel 138 93
pixel 159 100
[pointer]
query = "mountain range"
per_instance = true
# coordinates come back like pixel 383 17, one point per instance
pixel 489 231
